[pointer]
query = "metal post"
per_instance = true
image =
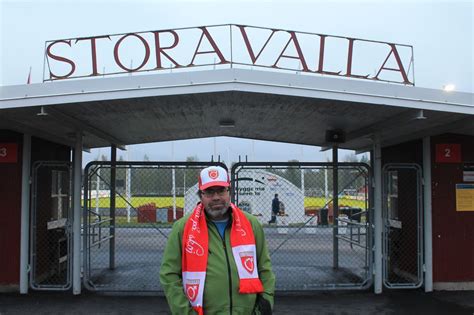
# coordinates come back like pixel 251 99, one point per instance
pixel 326 193
pixel 335 207
pixel 97 190
pixel 128 187
pixel 231 50
pixel 428 246
pixel 25 213
pixel 173 175
pixel 113 160
pixel 302 181
pixel 378 215
pixel 76 228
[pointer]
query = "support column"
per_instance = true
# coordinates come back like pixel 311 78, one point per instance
pixel 377 164
pixel 427 211
pixel 25 213
pixel 335 208
pixel 113 160
pixel 76 229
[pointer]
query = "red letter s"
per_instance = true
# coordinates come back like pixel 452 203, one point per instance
pixel 59 58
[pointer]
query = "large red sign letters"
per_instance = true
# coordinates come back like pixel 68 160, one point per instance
pixel 228 44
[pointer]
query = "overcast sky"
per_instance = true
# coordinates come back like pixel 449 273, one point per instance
pixel 441 33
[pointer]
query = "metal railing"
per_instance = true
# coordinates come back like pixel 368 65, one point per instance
pixel 98 224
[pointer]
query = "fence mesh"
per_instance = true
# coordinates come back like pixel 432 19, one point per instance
pixel 124 247
pixel 311 246
pixel 50 226
pixel 124 254
pixel 403 226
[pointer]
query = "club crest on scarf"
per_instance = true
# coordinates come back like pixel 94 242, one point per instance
pixel 192 289
pixel 247 261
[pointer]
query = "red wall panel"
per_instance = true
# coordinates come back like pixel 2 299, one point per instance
pixel 10 213
pixel 453 231
pixel 10 200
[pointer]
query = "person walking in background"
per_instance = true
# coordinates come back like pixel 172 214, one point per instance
pixel 216 259
pixel 275 209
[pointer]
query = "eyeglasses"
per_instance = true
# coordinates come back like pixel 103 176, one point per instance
pixel 209 193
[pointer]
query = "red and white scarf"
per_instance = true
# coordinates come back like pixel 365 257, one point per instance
pixel 196 248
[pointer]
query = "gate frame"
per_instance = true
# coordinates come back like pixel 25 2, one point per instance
pixel 370 245
pixel 420 226
pixel 68 227
pixel 85 225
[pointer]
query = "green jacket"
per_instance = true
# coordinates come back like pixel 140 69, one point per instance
pixel 221 291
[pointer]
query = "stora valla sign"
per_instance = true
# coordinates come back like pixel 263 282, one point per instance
pixel 228 45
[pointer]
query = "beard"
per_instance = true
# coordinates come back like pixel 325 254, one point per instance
pixel 217 211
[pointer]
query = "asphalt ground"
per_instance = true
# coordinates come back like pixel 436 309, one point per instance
pixel 348 302
pixel 300 260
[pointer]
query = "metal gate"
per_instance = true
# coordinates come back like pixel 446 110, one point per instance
pixel 51 221
pixel 403 226
pixel 320 240
pixel 129 208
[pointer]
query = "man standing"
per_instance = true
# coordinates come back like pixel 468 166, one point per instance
pixel 216 260
pixel 275 209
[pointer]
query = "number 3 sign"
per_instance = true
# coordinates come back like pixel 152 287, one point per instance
pixel 8 152
pixel 448 153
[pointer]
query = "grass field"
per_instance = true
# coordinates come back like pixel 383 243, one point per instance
pixel 320 202
pixel 165 202
pixel 160 202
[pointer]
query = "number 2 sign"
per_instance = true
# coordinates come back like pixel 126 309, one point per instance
pixel 448 153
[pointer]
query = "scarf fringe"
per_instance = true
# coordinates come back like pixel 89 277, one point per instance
pixel 248 286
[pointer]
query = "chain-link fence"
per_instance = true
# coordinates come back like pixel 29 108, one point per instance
pixel 125 235
pixel 313 245
pixel 403 226
pixel 126 225
pixel 50 250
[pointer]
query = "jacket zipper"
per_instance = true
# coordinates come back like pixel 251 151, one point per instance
pixel 228 266
pixel 228 273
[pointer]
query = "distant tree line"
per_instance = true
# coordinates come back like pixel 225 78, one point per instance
pixel 147 180
pixel 157 181
pixel 349 178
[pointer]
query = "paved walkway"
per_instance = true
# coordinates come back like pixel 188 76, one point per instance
pixel 391 302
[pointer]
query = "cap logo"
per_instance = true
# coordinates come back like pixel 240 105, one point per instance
pixel 213 174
